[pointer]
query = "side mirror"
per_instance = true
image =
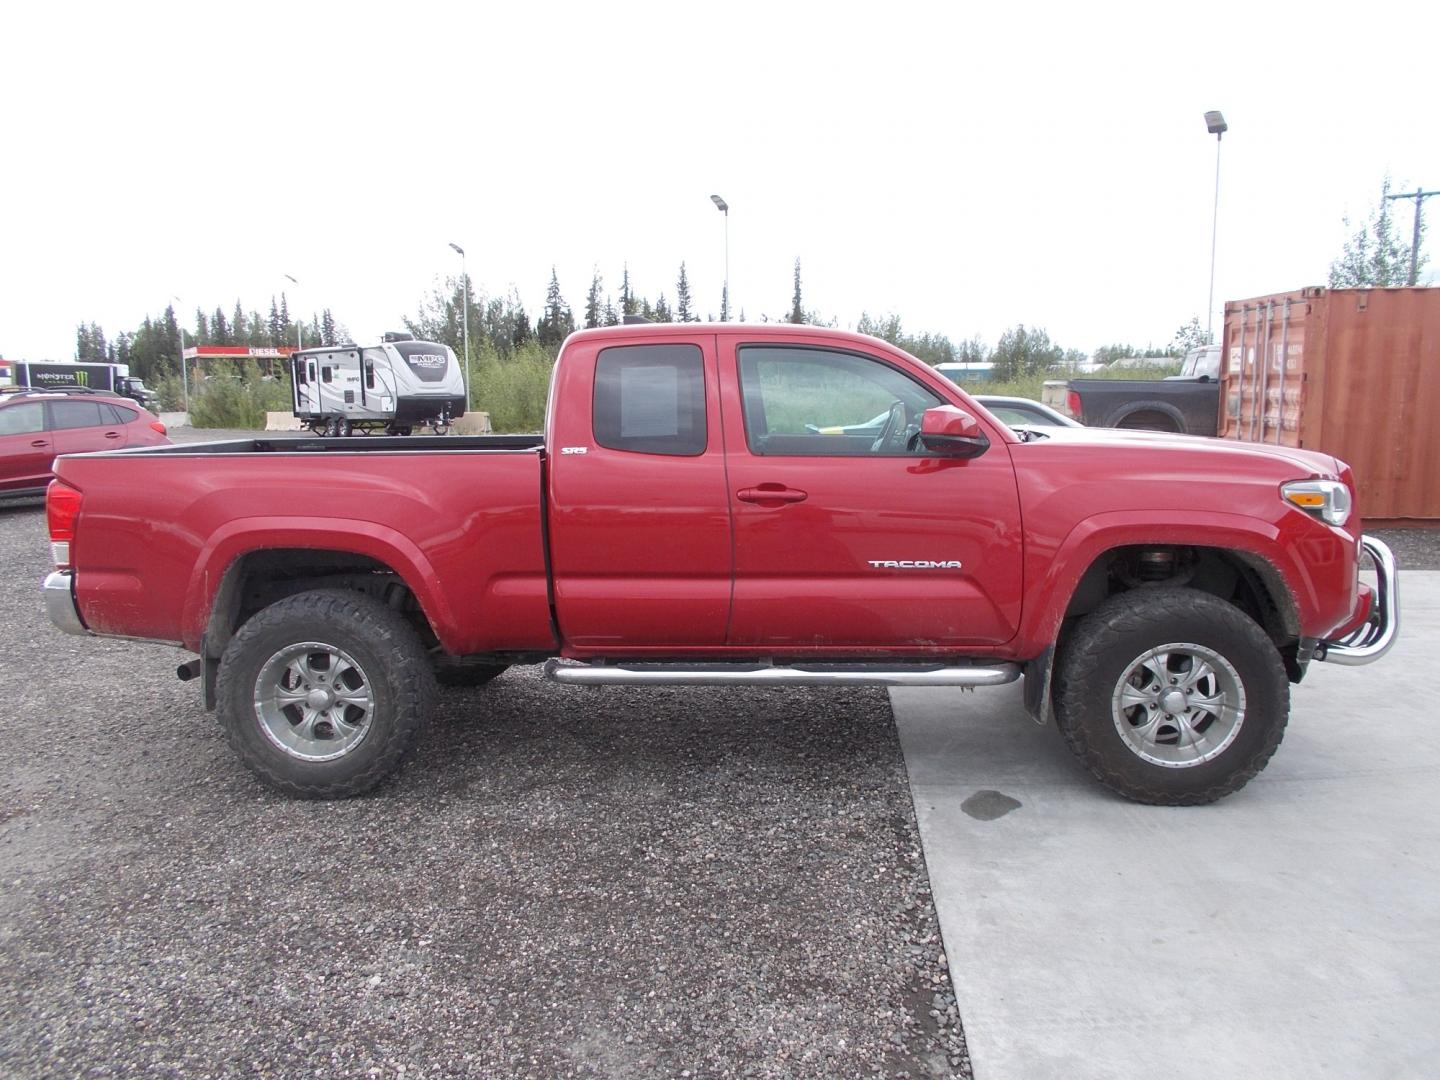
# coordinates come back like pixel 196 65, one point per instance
pixel 948 431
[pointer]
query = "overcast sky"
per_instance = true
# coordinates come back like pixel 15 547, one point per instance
pixel 967 170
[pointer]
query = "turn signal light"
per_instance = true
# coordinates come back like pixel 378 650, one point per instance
pixel 1328 500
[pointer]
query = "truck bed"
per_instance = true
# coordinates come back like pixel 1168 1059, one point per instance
pixel 359 444
pixel 461 518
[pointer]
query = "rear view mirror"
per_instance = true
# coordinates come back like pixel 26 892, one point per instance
pixel 948 431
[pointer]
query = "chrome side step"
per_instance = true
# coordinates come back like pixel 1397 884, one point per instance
pixel 819 674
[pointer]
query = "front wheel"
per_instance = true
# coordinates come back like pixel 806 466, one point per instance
pixel 323 694
pixel 1171 696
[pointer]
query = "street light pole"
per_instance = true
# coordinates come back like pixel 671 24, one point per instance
pixel 1215 125
pixel 184 373
pixel 300 321
pixel 465 286
pixel 724 208
pixel 1419 197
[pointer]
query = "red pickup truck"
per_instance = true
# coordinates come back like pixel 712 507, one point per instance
pixel 726 504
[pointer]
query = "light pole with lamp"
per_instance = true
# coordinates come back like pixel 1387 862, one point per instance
pixel 465 285
pixel 184 372
pixel 300 320
pixel 1215 125
pixel 724 208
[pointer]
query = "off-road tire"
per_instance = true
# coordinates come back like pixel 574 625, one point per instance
pixel 384 645
pixel 466 671
pixel 1102 647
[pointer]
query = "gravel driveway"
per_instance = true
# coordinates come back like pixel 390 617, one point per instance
pixel 563 883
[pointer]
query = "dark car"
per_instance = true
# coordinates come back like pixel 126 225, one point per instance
pixel 37 426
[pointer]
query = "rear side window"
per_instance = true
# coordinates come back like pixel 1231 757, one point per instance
pixel 75 414
pixel 118 414
pixel 650 399
pixel 22 419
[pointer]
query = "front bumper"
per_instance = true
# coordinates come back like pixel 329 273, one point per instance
pixel 59 596
pixel 1373 638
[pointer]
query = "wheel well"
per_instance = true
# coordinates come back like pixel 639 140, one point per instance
pixel 260 578
pixel 1248 581
pixel 1149 416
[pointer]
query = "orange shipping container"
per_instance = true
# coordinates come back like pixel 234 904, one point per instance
pixel 1351 372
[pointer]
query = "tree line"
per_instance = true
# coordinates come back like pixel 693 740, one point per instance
pixel 152 350
pixel 511 352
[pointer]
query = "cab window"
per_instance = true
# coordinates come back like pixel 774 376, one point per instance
pixel 650 399
pixel 809 402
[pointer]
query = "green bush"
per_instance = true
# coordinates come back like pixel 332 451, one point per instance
pixel 229 402
pixel 513 389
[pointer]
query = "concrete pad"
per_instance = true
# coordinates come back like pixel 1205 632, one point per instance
pixel 1291 930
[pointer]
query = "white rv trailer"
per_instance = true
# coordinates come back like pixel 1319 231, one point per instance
pixel 395 386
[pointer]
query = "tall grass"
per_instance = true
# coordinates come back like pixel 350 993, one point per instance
pixel 1029 386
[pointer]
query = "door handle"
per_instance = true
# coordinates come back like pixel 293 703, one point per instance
pixel 39 443
pixel 112 434
pixel 771 493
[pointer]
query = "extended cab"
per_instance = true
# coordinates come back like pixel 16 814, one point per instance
pixel 715 505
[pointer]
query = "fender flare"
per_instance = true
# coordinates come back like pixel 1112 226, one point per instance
pixel 1257 540
pixel 243 536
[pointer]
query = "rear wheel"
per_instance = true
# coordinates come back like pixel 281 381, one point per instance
pixel 1171 696
pixel 323 694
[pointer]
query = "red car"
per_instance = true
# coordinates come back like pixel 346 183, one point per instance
pixel 37 426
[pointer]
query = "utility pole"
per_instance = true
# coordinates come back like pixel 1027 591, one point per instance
pixel 1419 197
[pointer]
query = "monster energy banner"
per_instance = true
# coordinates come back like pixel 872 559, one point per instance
pixel 94 376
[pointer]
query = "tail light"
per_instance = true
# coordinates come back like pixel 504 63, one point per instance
pixel 156 425
pixel 1072 404
pixel 62 507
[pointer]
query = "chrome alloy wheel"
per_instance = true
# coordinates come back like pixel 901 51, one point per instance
pixel 314 701
pixel 1178 705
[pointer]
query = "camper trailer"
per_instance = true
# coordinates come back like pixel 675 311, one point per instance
pixel 395 387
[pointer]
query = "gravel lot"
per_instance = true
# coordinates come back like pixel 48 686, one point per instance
pixel 563 883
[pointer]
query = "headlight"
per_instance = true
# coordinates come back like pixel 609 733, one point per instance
pixel 1327 499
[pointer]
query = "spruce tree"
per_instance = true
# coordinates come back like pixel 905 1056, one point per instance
pixel 661 311
pixel 238 328
pixel 327 328
pixel 219 328
pixel 202 328
pixel 557 322
pixel 593 312
pixel 682 298
pixel 277 326
pixel 628 304
pixel 797 308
